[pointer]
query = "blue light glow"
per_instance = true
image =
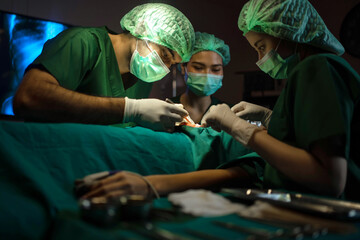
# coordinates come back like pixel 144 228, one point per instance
pixel 26 39
pixel 6 107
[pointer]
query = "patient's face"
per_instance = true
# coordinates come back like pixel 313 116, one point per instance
pixel 206 62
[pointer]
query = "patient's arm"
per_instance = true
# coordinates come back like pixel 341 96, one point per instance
pixel 212 178
pixel 125 183
pixel 41 98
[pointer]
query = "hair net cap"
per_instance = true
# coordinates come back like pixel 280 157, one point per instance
pixel 295 20
pixel 162 24
pixel 208 42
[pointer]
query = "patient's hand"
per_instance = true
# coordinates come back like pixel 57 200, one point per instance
pixel 119 184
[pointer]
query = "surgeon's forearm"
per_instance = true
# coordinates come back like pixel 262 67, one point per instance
pixel 166 184
pixel 41 98
pixel 300 165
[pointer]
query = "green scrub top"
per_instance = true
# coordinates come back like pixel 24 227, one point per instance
pixel 83 60
pixel 320 99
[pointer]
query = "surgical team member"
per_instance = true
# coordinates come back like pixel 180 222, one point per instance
pixel 312 136
pixel 78 76
pixel 310 140
pixel 203 75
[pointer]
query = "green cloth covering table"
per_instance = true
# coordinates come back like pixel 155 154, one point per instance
pixel 39 163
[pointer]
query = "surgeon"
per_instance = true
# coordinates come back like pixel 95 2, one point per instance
pixel 79 76
pixel 309 140
pixel 203 75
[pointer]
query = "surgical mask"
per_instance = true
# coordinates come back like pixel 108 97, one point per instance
pixel 277 67
pixel 150 68
pixel 203 84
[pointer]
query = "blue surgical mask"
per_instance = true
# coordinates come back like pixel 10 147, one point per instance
pixel 277 67
pixel 150 68
pixel 203 84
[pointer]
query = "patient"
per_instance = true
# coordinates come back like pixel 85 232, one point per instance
pixel 129 183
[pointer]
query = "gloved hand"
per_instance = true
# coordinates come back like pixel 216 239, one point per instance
pixel 220 117
pixel 253 112
pixel 153 113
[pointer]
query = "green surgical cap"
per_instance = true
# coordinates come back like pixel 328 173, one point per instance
pixel 294 20
pixel 208 42
pixel 162 24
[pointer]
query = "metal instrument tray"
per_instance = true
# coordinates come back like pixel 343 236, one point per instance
pixel 332 208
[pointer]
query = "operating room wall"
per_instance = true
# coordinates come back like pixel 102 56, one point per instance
pixel 212 16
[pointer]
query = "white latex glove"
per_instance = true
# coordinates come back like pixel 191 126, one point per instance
pixel 253 112
pixel 153 113
pixel 220 117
